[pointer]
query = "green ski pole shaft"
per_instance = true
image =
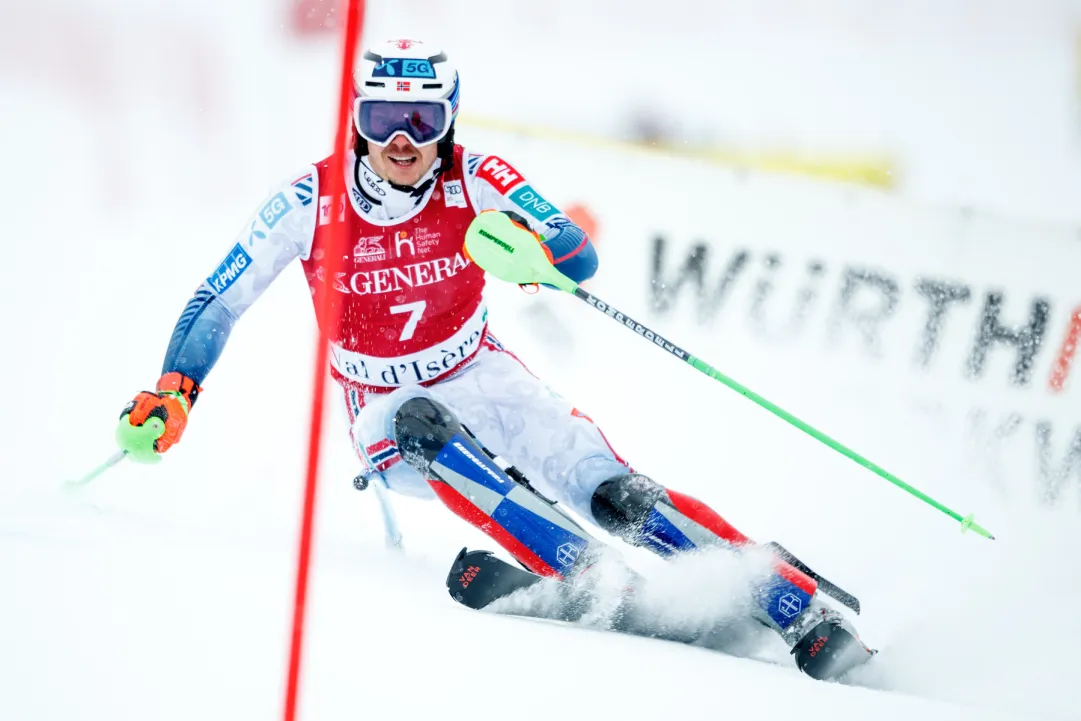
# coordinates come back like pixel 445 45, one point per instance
pixel 112 461
pixel 697 363
pixel 507 251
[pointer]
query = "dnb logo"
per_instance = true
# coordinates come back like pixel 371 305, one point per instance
pixel 230 269
pixel 789 605
pixel 567 554
pixel 531 201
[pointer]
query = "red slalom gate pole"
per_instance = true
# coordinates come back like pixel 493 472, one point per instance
pixel 328 328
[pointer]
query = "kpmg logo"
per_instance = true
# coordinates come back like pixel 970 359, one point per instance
pixel 230 269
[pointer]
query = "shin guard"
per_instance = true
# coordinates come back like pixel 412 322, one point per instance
pixel 460 471
pixel 644 513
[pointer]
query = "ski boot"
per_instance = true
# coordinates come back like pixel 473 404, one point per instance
pixel 644 513
pixel 825 644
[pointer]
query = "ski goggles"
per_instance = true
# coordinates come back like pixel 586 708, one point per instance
pixel 423 121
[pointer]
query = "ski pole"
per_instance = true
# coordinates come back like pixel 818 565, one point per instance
pixel 392 534
pixel 112 461
pixel 492 244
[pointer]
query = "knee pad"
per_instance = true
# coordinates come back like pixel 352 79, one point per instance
pixel 422 426
pixel 434 443
pixel 622 505
pixel 644 513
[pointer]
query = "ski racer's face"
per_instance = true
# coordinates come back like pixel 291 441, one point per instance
pixel 399 161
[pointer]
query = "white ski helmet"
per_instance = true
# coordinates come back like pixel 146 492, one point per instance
pixel 404 71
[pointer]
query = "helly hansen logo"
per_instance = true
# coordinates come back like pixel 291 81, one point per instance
pixel 500 174
pixel 230 269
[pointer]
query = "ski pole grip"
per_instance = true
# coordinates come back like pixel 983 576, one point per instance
pixel 138 441
pixel 509 252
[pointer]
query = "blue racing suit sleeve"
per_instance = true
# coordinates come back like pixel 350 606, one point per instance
pixel 493 184
pixel 199 336
pixel 280 231
pixel 572 252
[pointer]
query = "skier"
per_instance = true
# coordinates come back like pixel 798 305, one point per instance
pixel 423 379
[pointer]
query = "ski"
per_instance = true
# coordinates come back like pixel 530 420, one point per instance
pixel 824 585
pixel 477 579
pixel 828 649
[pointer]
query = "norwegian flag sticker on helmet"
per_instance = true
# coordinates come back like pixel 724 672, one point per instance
pixel 403 86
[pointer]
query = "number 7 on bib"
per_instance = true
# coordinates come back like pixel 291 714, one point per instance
pixel 415 311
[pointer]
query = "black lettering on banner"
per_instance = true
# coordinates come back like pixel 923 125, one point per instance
pixel 1053 479
pixel 694 268
pixel 664 292
pixel 940 294
pixel 352 369
pixel 989 440
pixel 867 319
pixel 1026 339
pixel 393 380
pixel 804 301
